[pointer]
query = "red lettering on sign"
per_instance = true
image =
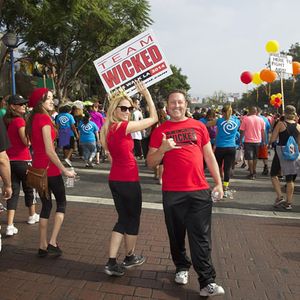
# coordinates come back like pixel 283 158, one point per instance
pixel 154 54
pixel 146 42
pixel 111 77
pixel 158 68
pixel 129 50
pixel 128 69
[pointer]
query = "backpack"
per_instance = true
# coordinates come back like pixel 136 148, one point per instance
pixel 290 150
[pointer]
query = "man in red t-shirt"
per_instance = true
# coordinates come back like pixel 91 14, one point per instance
pixel 182 143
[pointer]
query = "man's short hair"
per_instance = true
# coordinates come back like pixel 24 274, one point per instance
pixel 177 91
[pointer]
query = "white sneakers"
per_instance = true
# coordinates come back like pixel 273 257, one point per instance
pixel 212 289
pixel 11 230
pixel 33 219
pixel 182 277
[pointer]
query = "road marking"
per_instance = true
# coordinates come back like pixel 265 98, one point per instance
pixel 216 210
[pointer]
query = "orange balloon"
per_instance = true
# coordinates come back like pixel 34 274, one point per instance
pixel 268 75
pixel 296 68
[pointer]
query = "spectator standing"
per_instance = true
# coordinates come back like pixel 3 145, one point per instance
pixel 20 158
pixel 182 143
pixel 123 178
pixel 253 129
pixel 42 134
pixel 4 167
pixel 137 136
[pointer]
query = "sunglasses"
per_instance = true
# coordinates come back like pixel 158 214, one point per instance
pixel 21 104
pixel 125 108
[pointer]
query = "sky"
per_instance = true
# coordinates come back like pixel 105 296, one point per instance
pixel 214 41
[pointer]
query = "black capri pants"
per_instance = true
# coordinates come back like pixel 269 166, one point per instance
pixel 225 156
pixel 18 176
pixel 57 187
pixel 128 202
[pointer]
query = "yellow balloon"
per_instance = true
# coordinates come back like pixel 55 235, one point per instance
pixel 272 46
pixel 256 78
pixel 279 95
pixel 273 97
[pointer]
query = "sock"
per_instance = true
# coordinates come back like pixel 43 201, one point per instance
pixel 225 185
pixel 112 261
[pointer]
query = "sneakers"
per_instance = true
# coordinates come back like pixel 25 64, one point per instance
pixel 287 206
pixel 11 230
pixel 182 277
pixel 114 270
pixel 278 202
pixel 212 289
pixel 33 219
pixel 68 162
pixel 133 261
pixel 265 171
pixel 55 251
pixel 251 176
pixel 42 253
pixel 243 165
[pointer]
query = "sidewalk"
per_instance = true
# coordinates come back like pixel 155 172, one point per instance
pixel 255 258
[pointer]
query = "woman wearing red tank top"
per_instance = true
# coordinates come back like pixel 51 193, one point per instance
pixel 123 178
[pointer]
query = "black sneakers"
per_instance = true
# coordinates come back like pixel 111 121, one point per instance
pixel 114 270
pixel 133 261
pixel 55 251
pixel 42 253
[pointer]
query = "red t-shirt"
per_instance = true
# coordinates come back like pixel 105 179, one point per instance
pixel 40 158
pixel 183 168
pixel 17 150
pixel 120 147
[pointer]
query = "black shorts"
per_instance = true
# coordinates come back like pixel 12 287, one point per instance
pixel 71 144
pixel 251 150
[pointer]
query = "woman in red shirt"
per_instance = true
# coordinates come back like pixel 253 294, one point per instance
pixel 42 134
pixel 123 178
pixel 19 157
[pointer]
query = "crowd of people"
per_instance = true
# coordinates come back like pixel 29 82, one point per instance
pixel 172 141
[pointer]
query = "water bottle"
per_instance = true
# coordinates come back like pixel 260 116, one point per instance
pixel 215 196
pixel 70 180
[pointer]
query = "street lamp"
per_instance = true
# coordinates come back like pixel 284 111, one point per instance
pixel 10 40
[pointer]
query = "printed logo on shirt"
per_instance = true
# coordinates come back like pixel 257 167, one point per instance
pixel 228 126
pixel 86 128
pixel 63 120
pixel 183 137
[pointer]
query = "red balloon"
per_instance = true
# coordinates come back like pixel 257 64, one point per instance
pixel 246 77
pixel 277 100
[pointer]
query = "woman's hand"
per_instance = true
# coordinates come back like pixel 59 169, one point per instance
pixel 69 173
pixel 141 87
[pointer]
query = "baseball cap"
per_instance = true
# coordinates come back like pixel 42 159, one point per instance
pixel 16 99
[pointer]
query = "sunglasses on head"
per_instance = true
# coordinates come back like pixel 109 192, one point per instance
pixel 125 108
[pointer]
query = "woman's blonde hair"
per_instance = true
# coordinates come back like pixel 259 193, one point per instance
pixel 227 111
pixel 114 101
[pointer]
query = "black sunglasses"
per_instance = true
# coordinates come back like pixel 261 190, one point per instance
pixel 125 108
pixel 21 104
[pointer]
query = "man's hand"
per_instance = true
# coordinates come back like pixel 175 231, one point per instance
pixel 6 192
pixel 167 144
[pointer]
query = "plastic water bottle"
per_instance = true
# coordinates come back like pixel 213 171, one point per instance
pixel 215 196
pixel 70 180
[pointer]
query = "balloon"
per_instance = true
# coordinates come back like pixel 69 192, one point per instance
pixel 296 68
pixel 273 97
pixel 277 100
pixel 272 102
pixel 256 78
pixel 246 77
pixel 268 75
pixel 278 95
pixel 272 46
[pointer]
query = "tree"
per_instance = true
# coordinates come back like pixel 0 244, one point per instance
pixel 67 35
pixel 177 80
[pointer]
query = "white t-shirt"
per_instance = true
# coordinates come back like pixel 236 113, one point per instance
pixel 136 116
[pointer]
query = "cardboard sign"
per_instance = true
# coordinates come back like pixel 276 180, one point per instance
pixel 281 63
pixel 140 58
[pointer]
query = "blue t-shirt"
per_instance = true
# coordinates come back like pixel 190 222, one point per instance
pixel 87 132
pixel 267 128
pixel 227 130
pixel 65 120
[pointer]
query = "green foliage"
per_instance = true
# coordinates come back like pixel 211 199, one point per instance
pixel 72 33
pixel 176 81
pixel 260 96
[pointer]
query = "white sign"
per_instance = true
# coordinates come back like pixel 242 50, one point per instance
pixel 140 58
pixel 281 63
